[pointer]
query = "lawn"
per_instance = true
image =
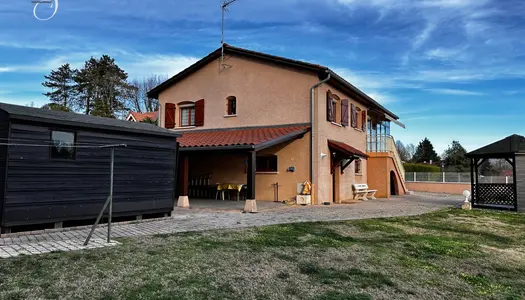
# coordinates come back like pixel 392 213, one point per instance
pixel 450 254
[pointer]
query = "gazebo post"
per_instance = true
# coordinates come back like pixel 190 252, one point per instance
pixel 472 186
pixel 476 178
pixel 514 180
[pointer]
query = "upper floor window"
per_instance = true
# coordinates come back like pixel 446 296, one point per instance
pixel 231 109
pixel 63 145
pixel 332 113
pixel 187 115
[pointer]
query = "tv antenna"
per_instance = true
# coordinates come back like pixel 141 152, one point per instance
pixel 224 8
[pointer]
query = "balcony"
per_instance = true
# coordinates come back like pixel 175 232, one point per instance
pixel 385 144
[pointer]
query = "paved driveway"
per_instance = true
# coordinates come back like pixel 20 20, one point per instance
pixel 184 220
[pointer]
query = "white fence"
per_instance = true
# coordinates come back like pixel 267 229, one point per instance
pixel 453 177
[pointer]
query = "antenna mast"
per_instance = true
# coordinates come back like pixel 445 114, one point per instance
pixel 224 8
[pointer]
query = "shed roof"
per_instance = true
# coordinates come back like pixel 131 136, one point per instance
pixel 319 70
pixel 26 113
pixel 139 117
pixel 505 147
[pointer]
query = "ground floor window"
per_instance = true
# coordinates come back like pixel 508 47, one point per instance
pixel 357 166
pixel 267 163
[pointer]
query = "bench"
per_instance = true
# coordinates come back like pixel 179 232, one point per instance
pixel 362 192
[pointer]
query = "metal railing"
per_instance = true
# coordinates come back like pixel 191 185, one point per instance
pixel 453 177
pixel 385 143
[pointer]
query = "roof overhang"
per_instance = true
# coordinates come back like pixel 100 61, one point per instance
pixel 346 150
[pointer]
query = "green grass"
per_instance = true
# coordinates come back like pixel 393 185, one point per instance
pixel 450 254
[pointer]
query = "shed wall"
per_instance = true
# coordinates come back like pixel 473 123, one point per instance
pixel 4 135
pixel 44 190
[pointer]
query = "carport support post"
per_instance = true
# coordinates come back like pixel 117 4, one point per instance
pixel 183 200
pixel 251 203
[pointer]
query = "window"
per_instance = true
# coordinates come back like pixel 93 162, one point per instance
pixel 62 145
pixel 266 163
pixel 357 163
pixel 332 113
pixel 232 106
pixel 187 115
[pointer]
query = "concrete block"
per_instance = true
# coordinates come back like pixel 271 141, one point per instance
pixel 183 202
pixel 250 206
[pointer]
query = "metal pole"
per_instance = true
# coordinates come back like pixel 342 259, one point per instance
pixel 97 221
pixel 444 177
pixel 111 193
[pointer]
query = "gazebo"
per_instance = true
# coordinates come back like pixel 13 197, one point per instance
pixel 509 195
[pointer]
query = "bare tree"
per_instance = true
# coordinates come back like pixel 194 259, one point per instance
pixel 401 149
pixel 411 150
pixel 139 100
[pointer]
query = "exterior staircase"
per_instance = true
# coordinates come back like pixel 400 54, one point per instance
pixel 385 144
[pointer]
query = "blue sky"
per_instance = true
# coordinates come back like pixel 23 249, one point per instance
pixel 451 69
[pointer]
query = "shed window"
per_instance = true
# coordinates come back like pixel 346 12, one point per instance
pixel 63 145
pixel 266 163
pixel 232 106
pixel 187 116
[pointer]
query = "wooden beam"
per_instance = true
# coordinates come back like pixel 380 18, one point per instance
pixel 481 162
pixel 252 161
pixel 472 199
pixel 343 167
pixel 514 180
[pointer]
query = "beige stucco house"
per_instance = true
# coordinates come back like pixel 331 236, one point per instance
pixel 269 123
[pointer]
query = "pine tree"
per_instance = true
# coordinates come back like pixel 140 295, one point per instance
pixel 425 152
pixel 63 85
pixel 102 87
pixel 455 158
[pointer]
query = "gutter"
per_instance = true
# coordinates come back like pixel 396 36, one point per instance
pixel 312 122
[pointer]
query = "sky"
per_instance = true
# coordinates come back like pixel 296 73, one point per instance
pixel 450 69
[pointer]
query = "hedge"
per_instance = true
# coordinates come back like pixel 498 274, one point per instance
pixel 421 168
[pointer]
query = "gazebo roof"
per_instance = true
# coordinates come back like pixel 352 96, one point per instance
pixel 502 148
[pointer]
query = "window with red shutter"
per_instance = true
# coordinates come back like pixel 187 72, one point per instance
pixel 169 116
pixel 354 116
pixel 199 113
pixel 330 113
pixel 344 112
pixel 363 125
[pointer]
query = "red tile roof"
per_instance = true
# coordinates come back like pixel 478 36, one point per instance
pixel 240 137
pixel 345 148
pixel 139 117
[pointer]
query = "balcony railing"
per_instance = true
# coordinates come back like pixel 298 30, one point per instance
pixel 385 143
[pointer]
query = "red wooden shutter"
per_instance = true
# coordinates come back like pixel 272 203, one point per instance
pixel 344 112
pixel 199 113
pixel 169 116
pixel 354 116
pixel 363 125
pixel 329 108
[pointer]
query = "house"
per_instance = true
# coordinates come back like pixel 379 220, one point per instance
pixel 141 117
pixel 55 167
pixel 270 123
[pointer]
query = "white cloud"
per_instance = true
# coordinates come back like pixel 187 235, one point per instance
pixel 141 65
pixel 455 92
pixel 4 70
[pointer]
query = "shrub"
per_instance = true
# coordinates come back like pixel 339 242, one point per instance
pixel 409 167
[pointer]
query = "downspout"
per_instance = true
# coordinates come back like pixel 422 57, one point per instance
pixel 312 123
pixel 159 113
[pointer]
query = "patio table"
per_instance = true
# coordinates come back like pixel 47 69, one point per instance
pixel 222 187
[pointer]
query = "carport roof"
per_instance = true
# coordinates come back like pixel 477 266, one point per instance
pixel 247 138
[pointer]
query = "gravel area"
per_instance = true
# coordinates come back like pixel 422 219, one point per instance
pixel 185 220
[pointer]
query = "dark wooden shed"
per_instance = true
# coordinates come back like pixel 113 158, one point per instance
pixel 53 168
pixel 511 195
